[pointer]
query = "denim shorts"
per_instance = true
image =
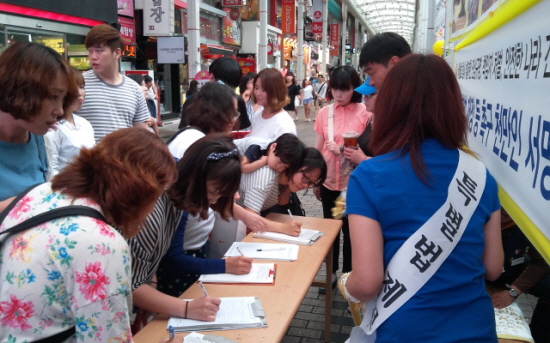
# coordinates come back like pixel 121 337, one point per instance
pixel 306 101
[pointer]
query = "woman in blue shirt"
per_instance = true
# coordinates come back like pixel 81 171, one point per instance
pixel 420 131
pixel 36 87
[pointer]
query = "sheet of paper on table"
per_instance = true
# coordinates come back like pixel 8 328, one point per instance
pixel 306 237
pixel 264 251
pixel 259 273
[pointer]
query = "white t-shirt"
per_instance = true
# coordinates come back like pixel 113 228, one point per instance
pixel 196 229
pixel 273 127
pixel 307 92
pixel 65 143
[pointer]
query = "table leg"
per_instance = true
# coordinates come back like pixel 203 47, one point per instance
pixel 328 297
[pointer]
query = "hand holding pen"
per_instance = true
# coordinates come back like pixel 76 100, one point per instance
pixel 238 265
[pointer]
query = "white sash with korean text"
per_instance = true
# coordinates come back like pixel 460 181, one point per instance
pixel 425 251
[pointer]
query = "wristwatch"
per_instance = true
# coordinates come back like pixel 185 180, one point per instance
pixel 513 293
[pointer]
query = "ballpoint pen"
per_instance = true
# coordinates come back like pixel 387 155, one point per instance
pixel 171 332
pixel 203 289
pixel 270 249
pixel 240 252
pixel 291 216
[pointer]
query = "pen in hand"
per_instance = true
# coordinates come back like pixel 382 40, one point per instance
pixel 203 289
pixel 240 252
pixel 290 214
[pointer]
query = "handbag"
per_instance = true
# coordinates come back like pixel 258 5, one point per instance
pixel 67 211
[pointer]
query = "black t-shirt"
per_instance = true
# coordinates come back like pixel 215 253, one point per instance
pixel 293 91
pixel 254 153
pixel 364 139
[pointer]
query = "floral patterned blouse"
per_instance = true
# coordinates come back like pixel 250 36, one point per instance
pixel 72 271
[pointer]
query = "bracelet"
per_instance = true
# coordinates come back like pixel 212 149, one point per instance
pixel 186 305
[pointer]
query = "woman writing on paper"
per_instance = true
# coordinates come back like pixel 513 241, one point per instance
pixel 421 166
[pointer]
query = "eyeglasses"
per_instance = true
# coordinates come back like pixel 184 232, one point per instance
pixel 307 181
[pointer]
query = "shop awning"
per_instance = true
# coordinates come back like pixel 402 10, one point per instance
pixel 213 51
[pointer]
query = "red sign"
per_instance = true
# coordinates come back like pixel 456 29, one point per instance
pixel 247 64
pixel 289 16
pixel 229 3
pixel 334 39
pixel 318 15
pixel 127 30
pixel 317 27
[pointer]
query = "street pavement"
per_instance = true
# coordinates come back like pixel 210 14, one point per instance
pixel 308 324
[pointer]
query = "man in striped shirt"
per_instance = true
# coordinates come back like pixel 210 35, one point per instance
pixel 113 101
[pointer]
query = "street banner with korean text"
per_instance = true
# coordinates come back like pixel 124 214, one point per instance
pixel 289 16
pixel 317 17
pixel 503 68
pixel 158 17
pixel 334 40
pixel 127 30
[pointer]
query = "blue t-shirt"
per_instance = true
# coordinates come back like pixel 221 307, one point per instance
pixel 22 165
pixel 453 305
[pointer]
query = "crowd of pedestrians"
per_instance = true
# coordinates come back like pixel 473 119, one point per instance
pixel 151 217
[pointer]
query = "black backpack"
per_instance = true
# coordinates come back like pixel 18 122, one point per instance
pixel 67 211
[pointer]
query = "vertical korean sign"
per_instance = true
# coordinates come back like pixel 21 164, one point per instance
pixel 127 30
pixel 289 16
pixel 317 14
pixel 334 39
pixel 504 75
pixel 158 18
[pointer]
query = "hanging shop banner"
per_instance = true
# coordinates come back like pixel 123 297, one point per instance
pixel 334 40
pixel 231 29
pixel 505 78
pixel 127 30
pixel 230 3
pixel 158 17
pixel 247 63
pixel 125 7
pixel 171 49
pixel 317 17
pixel 289 16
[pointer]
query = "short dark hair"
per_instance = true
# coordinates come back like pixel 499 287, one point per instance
pixel 104 34
pixel 147 79
pixel 212 109
pixel 290 150
pixel 195 169
pixel 382 47
pixel 246 77
pixel 346 78
pixel 274 85
pixel 227 70
pixel 26 73
pixel 313 159
pixel 136 77
pixel 124 178
pixel 289 73
pixel 429 105
pixel 76 75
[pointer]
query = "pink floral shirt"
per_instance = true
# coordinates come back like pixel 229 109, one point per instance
pixel 353 117
pixel 72 271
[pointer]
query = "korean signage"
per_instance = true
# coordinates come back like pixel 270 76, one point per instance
pixel 317 17
pixel 247 63
pixel 171 49
pixel 231 30
pixel 230 3
pixel 505 77
pixel 125 7
pixel 157 17
pixel 334 39
pixel 127 30
pixel 289 16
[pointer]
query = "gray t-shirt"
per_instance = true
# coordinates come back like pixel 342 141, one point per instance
pixel 112 107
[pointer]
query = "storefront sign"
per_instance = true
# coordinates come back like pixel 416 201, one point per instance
pixel 229 3
pixel 231 30
pixel 125 7
pixel 289 16
pixel 127 30
pixel 247 63
pixel 317 16
pixel 334 40
pixel 157 19
pixel 171 49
